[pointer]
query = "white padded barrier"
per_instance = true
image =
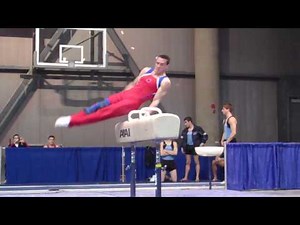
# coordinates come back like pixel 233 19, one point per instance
pixel 209 150
pixel 142 126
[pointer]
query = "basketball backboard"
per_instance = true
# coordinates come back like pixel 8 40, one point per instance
pixel 83 48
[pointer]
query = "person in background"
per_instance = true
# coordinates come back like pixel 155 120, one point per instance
pixel 229 134
pixel 18 142
pixel 51 142
pixel 192 136
pixel 168 151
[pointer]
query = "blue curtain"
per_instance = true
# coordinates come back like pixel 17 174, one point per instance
pixel 289 163
pixel 35 165
pixel 263 166
pixel 83 165
pixel 98 164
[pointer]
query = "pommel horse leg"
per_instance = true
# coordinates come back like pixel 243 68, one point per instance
pixel 132 171
pixel 157 170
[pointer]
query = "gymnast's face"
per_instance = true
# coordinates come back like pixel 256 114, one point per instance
pixel 160 66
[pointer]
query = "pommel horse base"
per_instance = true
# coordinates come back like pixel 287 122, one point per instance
pixel 143 126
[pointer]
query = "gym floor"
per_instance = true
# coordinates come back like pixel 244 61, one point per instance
pixel 189 189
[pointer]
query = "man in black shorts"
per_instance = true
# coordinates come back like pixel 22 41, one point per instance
pixel 192 136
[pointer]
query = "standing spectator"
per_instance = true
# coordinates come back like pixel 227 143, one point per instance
pixel 51 142
pixel 192 136
pixel 229 133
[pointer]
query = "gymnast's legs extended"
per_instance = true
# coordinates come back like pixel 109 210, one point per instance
pixel 111 107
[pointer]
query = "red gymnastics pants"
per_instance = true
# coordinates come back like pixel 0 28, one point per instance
pixel 120 104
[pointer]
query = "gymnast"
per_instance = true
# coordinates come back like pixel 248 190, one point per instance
pixel 151 84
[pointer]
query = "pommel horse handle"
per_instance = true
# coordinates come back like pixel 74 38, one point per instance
pixel 158 110
pixel 143 112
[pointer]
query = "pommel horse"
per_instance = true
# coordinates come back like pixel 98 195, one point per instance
pixel 144 126
pixel 211 151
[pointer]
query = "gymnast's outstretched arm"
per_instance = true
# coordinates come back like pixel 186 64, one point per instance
pixel 161 92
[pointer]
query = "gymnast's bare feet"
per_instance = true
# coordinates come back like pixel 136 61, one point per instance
pixel 63 121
